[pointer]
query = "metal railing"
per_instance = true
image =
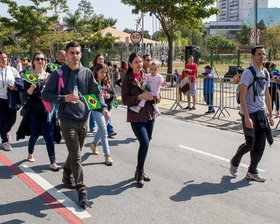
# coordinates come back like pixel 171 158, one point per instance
pixel 224 96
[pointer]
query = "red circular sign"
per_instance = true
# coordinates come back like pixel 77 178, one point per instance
pixel 136 37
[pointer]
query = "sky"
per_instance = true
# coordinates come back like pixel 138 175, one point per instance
pixel 119 11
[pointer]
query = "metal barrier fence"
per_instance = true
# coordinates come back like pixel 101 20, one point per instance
pixel 224 96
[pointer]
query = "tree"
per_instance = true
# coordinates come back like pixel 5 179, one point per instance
pixel 29 22
pixel 85 9
pixel 243 36
pixel 220 43
pixel 73 22
pixel 261 25
pixel 270 38
pixel 108 22
pixel 172 13
pixel 59 6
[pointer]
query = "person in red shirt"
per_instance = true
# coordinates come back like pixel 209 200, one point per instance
pixel 191 69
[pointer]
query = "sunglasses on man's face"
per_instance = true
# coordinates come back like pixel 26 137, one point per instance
pixel 39 59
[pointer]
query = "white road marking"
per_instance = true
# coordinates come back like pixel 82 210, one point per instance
pixel 214 156
pixel 73 207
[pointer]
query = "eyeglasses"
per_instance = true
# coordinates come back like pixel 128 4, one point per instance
pixel 39 59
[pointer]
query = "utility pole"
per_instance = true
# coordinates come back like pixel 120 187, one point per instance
pixel 143 48
pixel 256 22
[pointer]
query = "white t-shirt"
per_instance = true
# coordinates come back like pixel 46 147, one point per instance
pixel 154 82
pixel 260 86
pixel 19 67
pixel 7 76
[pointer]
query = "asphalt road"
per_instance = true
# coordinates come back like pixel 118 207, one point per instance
pixel 188 165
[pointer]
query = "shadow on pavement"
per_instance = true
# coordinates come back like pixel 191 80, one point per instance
pixel 205 188
pixel 115 189
pixel 14 221
pixel 115 142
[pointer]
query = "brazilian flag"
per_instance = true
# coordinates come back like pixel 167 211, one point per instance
pixel 53 66
pixel 92 102
pixel 29 77
pixel 115 103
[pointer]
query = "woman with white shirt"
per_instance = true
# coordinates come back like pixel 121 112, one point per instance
pixel 7 115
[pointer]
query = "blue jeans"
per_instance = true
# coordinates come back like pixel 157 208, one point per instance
pixel 208 98
pixel 143 131
pixel 110 128
pixel 7 119
pixel 38 125
pixel 101 133
pixel 92 125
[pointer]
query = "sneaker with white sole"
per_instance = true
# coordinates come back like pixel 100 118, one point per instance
pixel 94 149
pixel 233 170
pixel 256 177
pixel 6 146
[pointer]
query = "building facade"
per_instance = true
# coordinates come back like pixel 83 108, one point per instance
pixel 237 10
pixel 270 16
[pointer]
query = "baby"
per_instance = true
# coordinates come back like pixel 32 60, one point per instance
pixel 152 83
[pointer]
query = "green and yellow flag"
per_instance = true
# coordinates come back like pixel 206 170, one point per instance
pixel 30 77
pixel 53 66
pixel 115 103
pixel 92 102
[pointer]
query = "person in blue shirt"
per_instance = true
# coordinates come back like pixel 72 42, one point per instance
pixel 208 87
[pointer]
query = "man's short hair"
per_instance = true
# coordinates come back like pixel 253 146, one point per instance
pixel 208 67
pixel 72 44
pixel 254 49
pixel 146 55
pixel 2 52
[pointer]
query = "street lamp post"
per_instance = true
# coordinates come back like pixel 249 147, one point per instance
pixel 256 22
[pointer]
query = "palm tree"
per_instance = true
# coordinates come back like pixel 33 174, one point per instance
pixel 73 22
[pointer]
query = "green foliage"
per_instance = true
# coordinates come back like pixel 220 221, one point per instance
pixel 59 6
pixel 28 18
pixel 270 38
pixel 243 36
pixel 85 9
pixel 261 25
pixel 102 43
pixel 220 43
pixel 172 13
pixel 73 22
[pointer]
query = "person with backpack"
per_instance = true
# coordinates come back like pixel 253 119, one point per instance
pixel 254 100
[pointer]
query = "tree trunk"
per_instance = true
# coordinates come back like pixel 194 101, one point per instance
pixel 32 47
pixel 170 53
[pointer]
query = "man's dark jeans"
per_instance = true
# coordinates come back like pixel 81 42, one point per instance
pixel 254 142
pixel 143 131
pixel 74 134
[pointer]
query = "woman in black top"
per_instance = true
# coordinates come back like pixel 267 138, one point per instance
pixel 35 118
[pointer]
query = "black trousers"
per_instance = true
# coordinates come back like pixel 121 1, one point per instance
pixel 254 142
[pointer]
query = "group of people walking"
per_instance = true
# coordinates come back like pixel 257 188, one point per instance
pixel 140 87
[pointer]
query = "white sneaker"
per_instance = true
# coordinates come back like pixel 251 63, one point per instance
pixel 256 177
pixel 233 170
pixel 6 146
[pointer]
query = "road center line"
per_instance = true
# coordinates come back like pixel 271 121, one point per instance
pixel 214 156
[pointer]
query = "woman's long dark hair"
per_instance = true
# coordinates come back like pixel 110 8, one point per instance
pixel 106 80
pixel 131 58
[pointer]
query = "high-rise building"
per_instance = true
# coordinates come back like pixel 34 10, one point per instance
pixel 237 10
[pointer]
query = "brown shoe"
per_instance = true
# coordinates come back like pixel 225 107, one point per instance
pixel 146 178
pixel 140 177
pixel 94 149
pixel 108 160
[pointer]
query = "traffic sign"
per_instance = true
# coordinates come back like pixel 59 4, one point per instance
pixel 253 36
pixel 136 37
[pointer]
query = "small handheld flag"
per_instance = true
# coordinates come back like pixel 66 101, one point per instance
pixel 115 103
pixel 29 77
pixel 53 67
pixel 92 102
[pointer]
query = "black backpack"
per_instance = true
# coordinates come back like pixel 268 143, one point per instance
pixel 256 78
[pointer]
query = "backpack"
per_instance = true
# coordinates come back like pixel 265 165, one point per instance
pixel 256 78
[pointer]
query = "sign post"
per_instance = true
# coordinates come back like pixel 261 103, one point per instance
pixel 253 39
pixel 136 38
